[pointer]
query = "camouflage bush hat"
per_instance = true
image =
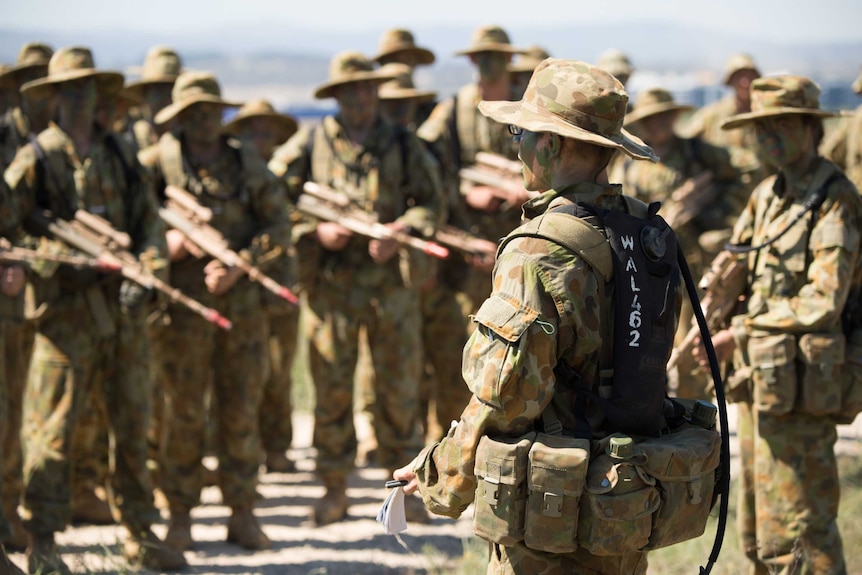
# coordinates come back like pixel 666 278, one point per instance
pixel 651 102
pixel 69 64
pixel 780 96
pixel 398 41
pixel 347 67
pixel 285 124
pixel 616 63
pixel 162 65
pixel 737 63
pixel 32 55
pixel 528 60
pixel 189 89
pixel 575 100
pixel 489 39
pixel 401 87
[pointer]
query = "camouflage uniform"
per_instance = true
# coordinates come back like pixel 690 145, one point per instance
pixel 390 175
pixel 161 67
pixel 844 145
pixel 547 306
pixel 797 286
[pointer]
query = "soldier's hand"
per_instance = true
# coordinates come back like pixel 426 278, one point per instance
pixel 406 474
pixel 12 280
pixel 484 198
pixel 381 251
pixel 333 236
pixel 219 278
pixel 179 247
pixel 722 342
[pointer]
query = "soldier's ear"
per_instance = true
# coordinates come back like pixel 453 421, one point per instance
pixel 555 144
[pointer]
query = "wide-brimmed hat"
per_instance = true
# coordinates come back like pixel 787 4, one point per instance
pixel 528 60
pixel 575 100
pixel 737 63
pixel 489 39
pixel 30 56
pixel 857 83
pixel 401 86
pixel 616 63
pixel 284 123
pixel 398 41
pixel 347 67
pixel 652 102
pixel 781 96
pixel 189 89
pixel 72 63
pixel 162 65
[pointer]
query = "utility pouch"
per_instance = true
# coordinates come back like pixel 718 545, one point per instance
pixel 683 463
pixel 617 506
pixel 774 375
pixel 851 380
pixel 501 491
pixel 557 472
pixel 822 359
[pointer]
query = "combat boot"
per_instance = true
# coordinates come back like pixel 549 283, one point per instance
pixel 244 530
pixel 89 508
pixel 278 462
pixel 143 549
pixel 43 556
pixel 333 506
pixel 179 535
pixel 18 537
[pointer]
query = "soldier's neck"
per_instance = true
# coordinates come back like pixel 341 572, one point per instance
pixel 800 168
pixel 497 89
pixel 79 128
pixel 202 153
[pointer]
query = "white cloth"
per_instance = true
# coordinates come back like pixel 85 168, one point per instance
pixel 392 515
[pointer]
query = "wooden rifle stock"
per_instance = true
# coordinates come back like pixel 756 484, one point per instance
pixel 10 255
pixel 495 171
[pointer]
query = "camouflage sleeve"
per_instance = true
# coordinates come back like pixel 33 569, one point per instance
pixel 834 246
pixel 425 194
pixel 270 208
pixel 290 164
pixel 145 225
pixel 508 364
pixel 20 181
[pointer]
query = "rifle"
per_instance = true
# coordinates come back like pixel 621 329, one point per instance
pixel 96 237
pixel 182 212
pixel 324 203
pixel 465 242
pixel 13 255
pixel 690 198
pixel 724 283
pixel 501 174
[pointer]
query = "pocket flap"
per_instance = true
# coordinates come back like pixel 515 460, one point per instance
pixel 771 350
pixel 506 319
pixel 822 348
pixel 503 460
pixel 684 455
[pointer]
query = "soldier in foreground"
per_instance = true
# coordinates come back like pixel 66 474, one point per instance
pixel 788 345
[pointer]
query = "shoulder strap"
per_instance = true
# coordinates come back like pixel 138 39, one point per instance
pixel 465 132
pixel 171 161
pixel 133 177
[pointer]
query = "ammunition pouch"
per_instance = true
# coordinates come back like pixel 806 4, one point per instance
pixel 821 359
pixel 501 493
pixel 773 359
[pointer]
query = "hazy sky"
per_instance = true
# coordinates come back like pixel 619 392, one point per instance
pixel 804 20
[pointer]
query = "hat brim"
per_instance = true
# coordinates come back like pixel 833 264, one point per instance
pixel 171 111
pixel 423 55
pixel 287 125
pixel 408 94
pixel 107 82
pixel 747 118
pixel 729 75
pixel 531 117
pixel 138 85
pixel 490 47
pixel 654 110
pixel 325 90
pixel 11 76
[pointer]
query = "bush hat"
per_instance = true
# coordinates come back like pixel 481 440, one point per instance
pixel 575 100
pixel 737 63
pixel 31 56
pixel 489 39
pixel 348 67
pixel 398 41
pixel 284 123
pixel 162 65
pixel 73 63
pixel 528 60
pixel 780 96
pixel 189 89
pixel 616 63
pixel 652 102
pixel 401 87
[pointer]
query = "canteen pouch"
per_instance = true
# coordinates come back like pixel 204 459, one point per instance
pixel 557 472
pixel 617 506
pixel 821 358
pixel 501 489
pixel 773 376
pixel 851 380
pixel 683 463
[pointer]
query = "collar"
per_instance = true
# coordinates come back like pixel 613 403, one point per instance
pixel 583 192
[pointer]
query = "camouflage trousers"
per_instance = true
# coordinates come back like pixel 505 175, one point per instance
pixel 70 360
pixel 521 560
pixel 789 493
pixel 391 318
pixel 189 356
pixel 276 429
pixel 18 347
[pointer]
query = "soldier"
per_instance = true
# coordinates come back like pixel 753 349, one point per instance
pixel 844 145
pixel 259 125
pixel 547 306
pixel 161 67
pixel 90 329
pixel 24 117
pixel 787 342
pixel 522 69
pixel 617 63
pixel 398 46
pixel 700 193
pixel 352 282
pixel 191 354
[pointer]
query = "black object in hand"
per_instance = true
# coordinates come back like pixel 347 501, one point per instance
pixel 396 483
